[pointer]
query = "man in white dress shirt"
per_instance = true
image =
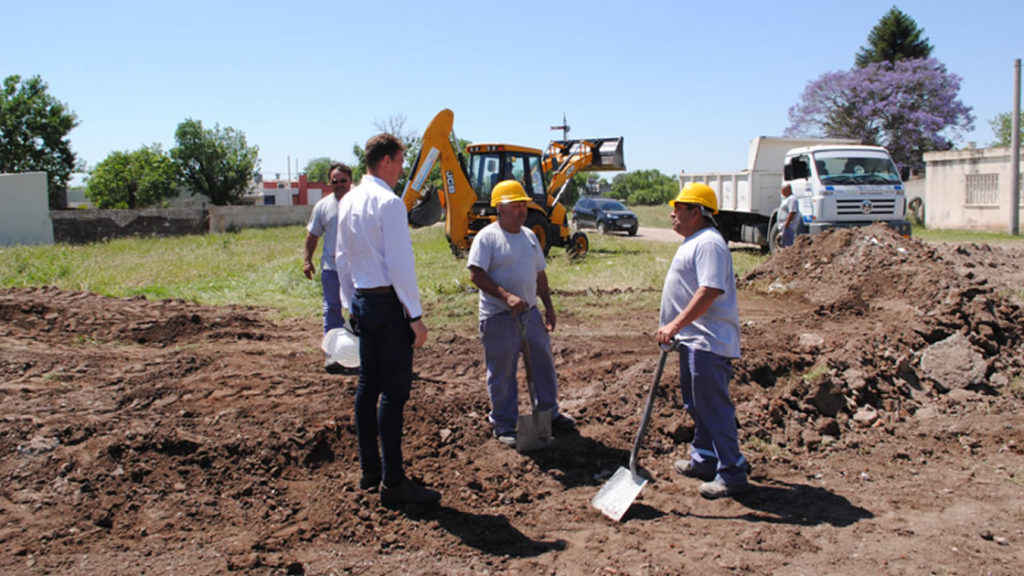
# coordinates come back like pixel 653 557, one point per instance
pixel 377 274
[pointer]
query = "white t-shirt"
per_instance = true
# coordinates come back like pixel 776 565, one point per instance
pixel 789 204
pixel 511 260
pixel 323 223
pixel 704 260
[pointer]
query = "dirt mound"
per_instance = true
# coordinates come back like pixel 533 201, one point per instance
pixel 875 326
pixel 162 437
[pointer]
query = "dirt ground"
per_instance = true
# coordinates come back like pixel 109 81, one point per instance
pixel 879 399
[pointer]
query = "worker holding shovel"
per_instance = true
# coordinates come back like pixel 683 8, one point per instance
pixel 698 303
pixel 506 262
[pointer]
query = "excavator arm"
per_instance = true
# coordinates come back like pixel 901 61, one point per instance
pixel 458 196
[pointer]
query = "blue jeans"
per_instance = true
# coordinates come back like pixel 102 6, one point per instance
pixel 332 300
pixel 704 382
pixel 385 379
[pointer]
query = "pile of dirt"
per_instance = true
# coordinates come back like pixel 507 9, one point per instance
pixel 873 326
pixel 163 437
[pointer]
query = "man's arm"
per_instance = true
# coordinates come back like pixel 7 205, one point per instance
pixel 696 308
pixel 483 281
pixel 544 293
pixel 307 260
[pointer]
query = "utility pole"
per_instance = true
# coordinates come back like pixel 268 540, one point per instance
pixel 564 128
pixel 1015 153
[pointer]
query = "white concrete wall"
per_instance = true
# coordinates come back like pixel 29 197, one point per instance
pixel 946 202
pixel 223 218
pixel 25 209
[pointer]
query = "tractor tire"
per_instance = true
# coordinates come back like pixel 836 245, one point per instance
pixel 539 225
pixel 578 246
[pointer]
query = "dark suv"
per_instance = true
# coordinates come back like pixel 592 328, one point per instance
pixel 605 214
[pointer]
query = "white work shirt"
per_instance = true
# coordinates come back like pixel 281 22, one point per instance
pixel 323 223
pixel 789 204
pixel 704 260
pixel 513 261
pixel 374 248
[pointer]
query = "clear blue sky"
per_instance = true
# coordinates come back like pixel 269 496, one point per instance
pixel 688 84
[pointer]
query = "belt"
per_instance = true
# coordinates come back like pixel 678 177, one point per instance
pixel 377 290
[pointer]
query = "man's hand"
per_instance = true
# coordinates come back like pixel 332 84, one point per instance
pixel 419 330
pixel 308 269
pixel 516 304
pixel 549 318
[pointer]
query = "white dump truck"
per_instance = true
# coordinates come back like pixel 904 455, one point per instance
pixel 838 183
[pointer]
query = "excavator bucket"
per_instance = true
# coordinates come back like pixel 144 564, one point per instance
pixel 606 153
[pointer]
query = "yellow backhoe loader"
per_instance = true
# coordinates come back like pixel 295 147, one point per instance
pixel 467 187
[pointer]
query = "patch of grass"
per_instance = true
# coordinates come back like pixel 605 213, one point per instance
pixel 1016 387
pixel 940 235
pixel 657 216
pixel 815 371
pixel 761 446
pixel 262 267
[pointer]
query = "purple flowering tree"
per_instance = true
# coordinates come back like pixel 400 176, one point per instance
pixel 910 107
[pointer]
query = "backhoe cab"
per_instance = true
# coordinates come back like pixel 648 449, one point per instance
pixel 467 186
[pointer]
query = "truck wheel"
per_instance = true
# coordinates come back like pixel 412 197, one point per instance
pixel 632 231
pixel 774 239
pixel 601 228
pixel 539 225
pixel 578 246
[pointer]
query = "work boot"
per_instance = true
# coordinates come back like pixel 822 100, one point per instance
pixel 687 468
pixel 718 489
pixel 563 423
pixel 408 492
pixel 506 438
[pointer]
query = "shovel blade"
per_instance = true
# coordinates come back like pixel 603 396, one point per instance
pixel 618 493
pixel 534 431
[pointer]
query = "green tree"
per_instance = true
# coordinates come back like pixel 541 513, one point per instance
pixel 136 179
pixel 1002 125
pixel 316 170
pixel 896 37
pixel 644 187
pixel 33 134
pixel 216 162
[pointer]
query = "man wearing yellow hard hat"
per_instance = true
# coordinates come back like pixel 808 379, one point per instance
pixel 506 262
pixel 698 305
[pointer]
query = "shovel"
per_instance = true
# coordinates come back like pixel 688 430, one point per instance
pixel 534 430
pixel 619 492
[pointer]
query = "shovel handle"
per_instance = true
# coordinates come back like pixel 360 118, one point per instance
pixel 647 412
pixel 521 322
pixel 650 401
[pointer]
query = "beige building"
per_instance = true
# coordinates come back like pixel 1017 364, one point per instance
pixel 970 189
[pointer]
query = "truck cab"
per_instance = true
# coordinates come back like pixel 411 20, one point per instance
pixel 845 186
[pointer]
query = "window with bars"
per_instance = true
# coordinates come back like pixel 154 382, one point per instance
pixel 982 189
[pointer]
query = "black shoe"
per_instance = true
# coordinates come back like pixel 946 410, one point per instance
pixel 563 423
pixel 408 492
pixel 335 368
pixel 370 482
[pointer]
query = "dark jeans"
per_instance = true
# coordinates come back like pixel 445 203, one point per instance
pixel 385 378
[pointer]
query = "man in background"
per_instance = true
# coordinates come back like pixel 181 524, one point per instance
pixel 323 223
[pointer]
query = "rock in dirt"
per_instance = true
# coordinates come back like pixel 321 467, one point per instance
pixel 953 364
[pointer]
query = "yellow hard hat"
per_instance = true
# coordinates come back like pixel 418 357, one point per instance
pixel 508 191
pixel 697 193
